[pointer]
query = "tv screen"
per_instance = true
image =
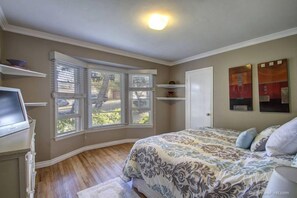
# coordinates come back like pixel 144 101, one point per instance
pixel 11 111
pixel 13 116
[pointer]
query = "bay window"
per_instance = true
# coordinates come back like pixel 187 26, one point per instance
pixel 95 97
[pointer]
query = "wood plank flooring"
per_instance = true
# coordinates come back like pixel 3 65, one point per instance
pixel 66 178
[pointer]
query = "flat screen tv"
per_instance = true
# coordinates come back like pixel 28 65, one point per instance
pixel 13 115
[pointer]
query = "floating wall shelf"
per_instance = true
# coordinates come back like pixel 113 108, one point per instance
pixel 10 70
pixel 35 104
pixel 170 98
pixel 171 86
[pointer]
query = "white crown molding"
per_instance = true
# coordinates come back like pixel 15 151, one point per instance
pixel 53 161
pixel 63 39
pixel 243 44
pixel 39 34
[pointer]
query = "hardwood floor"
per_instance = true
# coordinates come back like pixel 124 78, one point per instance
pixel 81 171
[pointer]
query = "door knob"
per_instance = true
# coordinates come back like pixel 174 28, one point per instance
pixel 208 114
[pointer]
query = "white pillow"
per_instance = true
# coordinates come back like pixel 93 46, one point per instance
pixel 284 140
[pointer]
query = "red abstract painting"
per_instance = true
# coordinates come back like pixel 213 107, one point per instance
pixel 240 88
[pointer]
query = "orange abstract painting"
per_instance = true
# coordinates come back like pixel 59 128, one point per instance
pixel 273 86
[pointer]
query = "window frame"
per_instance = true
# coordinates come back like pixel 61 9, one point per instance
pixel 89 103
pixel 79 117
pixel 145 89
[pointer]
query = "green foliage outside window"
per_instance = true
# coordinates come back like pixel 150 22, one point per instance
pixel 99 118
pixel 144 118
pixel 106 118
pixel 66 125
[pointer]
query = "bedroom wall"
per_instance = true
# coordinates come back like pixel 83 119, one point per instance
pixel 1 51
pixel 36 51
pixel 223 117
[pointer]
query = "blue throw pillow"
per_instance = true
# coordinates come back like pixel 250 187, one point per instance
pixel 246 138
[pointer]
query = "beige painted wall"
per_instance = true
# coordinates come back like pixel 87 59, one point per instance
pixel 1 43
pixel 36 51
pixel 1 50
pixel 223 117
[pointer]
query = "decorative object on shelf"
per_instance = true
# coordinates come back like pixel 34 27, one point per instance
pixel 17 63
pixel 171 93
pixel 282 183
pixel 240 88
pixel 273 86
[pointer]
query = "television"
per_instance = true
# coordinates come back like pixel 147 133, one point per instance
pixel 13 115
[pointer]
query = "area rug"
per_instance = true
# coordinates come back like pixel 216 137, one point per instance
pixel 114 188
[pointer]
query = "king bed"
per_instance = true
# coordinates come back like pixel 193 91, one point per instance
pixel 199 163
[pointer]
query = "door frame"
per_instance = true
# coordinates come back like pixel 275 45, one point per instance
pixel 188 99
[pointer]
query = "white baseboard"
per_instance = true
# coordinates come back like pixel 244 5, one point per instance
pixel 53 161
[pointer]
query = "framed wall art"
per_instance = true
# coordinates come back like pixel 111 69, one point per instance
pixel 240 88
pixel 273 86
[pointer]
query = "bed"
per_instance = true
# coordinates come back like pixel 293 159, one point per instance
pixel 200 163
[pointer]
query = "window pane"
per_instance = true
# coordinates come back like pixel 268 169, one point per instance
pixel 67 106
pixel 67 79
pixel 140 117
pixel 140 99
pixel 141 107
pixel 105 98
pixel 66 125
pixel 140 81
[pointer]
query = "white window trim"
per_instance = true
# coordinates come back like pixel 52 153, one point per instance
pixel 150 89
pixel 79 96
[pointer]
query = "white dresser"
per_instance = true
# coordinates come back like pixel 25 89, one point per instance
pixel 17 164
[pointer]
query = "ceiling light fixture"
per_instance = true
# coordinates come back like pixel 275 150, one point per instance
pixel 158 21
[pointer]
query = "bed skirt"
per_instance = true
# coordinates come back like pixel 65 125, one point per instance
pixel 141 186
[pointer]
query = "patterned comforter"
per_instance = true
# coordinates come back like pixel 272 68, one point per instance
pixel 201 163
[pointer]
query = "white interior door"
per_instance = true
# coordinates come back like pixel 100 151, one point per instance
pixel 199 98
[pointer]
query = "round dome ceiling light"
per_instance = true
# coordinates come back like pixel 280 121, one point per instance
pixel 158 21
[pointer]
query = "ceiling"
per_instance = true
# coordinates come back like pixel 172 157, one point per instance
pixel 195 26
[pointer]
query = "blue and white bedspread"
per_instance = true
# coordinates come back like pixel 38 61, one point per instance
pixel 201 163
